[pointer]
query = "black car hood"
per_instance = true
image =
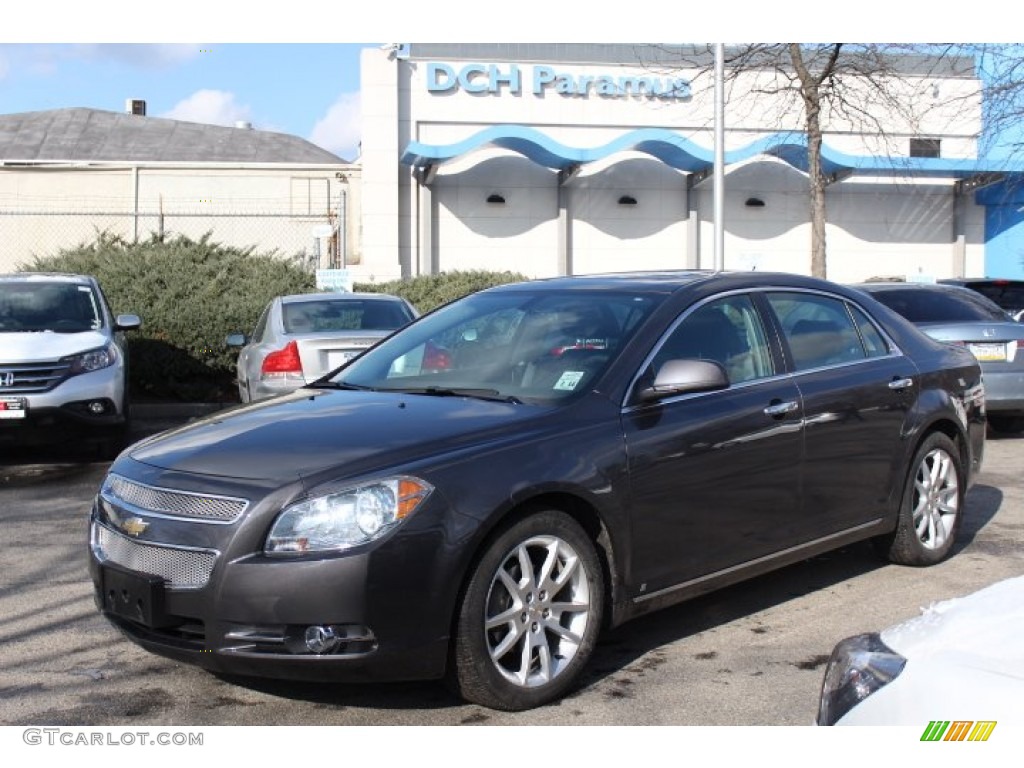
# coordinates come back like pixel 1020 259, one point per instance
pixel 312 431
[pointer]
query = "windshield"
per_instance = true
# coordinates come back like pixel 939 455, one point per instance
pixel 40 306
pixel 941 306
pixel 529 346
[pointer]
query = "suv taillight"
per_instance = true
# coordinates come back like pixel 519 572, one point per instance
pixel 282 362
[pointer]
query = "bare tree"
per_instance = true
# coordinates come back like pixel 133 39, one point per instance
pixel 886 92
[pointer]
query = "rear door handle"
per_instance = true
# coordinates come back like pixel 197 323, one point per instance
pixel 900 384
pixel 781 409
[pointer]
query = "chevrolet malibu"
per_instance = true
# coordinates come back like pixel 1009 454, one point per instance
pixel 478 495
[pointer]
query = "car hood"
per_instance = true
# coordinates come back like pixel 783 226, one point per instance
pixel 311 431
pixel 981 631
pixel 41 346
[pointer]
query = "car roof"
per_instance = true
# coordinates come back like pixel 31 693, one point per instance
pixel 670 281
pixel 982 281
pixel 956 290
pixel 48 277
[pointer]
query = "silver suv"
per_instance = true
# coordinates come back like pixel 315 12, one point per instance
pixel 63 363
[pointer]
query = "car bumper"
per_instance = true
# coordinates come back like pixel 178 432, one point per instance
pixel 83 402
pixel 352 618
pixel 1004 390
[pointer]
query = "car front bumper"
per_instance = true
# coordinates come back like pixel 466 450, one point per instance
pixel 353 617
pixel 80 403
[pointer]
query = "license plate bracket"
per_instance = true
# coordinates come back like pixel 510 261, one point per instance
pixel 988 352
pixel 138 597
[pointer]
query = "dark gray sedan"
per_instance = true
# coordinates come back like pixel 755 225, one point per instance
pixel 959 315
pixel 300 338
pixel 476 496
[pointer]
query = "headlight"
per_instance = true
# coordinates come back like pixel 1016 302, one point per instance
pixel 92 360
pixel 346 518
pixel 859 666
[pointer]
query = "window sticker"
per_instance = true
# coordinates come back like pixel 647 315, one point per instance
pixel 569 380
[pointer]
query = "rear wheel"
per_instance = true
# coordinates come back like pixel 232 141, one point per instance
pixel 530 616
pixel 932 505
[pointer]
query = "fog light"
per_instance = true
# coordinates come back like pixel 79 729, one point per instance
pixel 322 639
pixel 97 407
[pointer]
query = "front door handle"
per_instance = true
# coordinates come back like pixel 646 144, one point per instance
pixel 781 409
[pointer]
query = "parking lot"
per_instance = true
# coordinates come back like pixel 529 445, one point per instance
pixel 752 654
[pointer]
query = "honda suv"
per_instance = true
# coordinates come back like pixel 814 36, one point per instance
pixel 63 366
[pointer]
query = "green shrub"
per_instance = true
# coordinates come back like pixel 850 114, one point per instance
pixel 429 291
pixel 190 295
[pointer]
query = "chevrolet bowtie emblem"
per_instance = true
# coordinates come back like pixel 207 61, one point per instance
pixel 134 526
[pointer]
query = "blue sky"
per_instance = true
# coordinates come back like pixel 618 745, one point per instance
pixel 306 89
pixel 296 70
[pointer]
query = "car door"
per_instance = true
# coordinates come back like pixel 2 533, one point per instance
pixel 714 476
pixel 856 388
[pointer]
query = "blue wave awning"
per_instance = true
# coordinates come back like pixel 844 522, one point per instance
pixel 684 155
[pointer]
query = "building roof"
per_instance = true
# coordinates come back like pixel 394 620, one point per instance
pixel 82 135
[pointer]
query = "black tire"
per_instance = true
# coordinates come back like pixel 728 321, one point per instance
pixel 535 656
pixel 932 505
pixel 1006 425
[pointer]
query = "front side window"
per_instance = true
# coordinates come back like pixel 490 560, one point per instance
pixel 727 331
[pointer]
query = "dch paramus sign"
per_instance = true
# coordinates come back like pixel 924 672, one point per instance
pixel 540 79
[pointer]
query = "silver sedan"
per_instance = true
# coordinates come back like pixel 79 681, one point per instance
pixel 300 338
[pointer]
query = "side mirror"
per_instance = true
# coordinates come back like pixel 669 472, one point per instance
pixel 236 340
pixel 127 323
pixel 680 377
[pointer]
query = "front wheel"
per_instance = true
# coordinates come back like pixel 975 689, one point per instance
pixel 530 615
pixel 932 505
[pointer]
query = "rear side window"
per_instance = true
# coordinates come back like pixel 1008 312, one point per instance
pixel 819 330
pixel 875 344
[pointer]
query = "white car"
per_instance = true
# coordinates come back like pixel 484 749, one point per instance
pixel 63 361
pixel 300 338
pixel 954 671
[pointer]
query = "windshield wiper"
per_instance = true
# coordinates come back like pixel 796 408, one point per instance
pixel 476 393
pixel 338 385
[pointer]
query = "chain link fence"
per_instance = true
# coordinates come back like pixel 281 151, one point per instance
pixel 26 234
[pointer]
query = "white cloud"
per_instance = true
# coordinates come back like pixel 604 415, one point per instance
pixel 338 131
pixel 209 106
pixel 146 56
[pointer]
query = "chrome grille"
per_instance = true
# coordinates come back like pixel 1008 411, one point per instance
pixel 178 566
pixel 25 378
pixel 180 504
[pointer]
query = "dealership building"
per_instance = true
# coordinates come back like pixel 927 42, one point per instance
pixel 553 159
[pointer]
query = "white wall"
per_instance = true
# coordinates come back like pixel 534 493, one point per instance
pixel 874 227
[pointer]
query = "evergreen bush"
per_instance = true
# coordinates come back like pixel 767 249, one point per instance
pixel 191 294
